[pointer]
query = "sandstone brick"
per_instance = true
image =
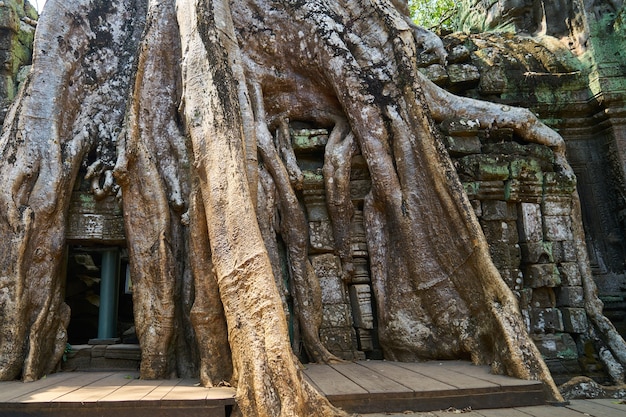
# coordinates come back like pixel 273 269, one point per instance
pixel 365 339
pixel 490 190
pixel 359 189
pixel 338 341
pixel 525 298
pixel 556 346
pixel 543 298
pixel 556 206
pixel 527 170
pixel 570 274
pixel 570 297
pixel 542 275
pixel 459 146
pixel 558 228
pixel 500 231
pixel 321 236
pixel 361 299
pixel 436 73
pixel 546 320
pixel 460 127
pixel 499 210
pixel 328 269
pixel 574 320
pixel 505 255
pixel 336 315
pixel 463 74
pixel 564 251
pixel 537 252
pixel 529 222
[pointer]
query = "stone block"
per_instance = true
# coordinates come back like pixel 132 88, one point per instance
pixel 524 191
pixel 436 73
pixel 463 74
pixel 542 275
pixel 490 190
pixel 570 297
pixel 321 236
pixel 361 271
pixel 460 127
pixel 556 183
pixel 458 53
pixel 98 351
pixel 505 255
pixel 328 269
pixel 525 298
pixel 558 228
pixel 338 340
pixel 425 59
pixel 493 81
pixel 537 252
pixel 564 251
pixel 365 339
pixel 574 320
pixel 527 170
pixel 486 167
pixel 556 346
pixel 556 206
pixel 336 315
pixel 123 351
pixel 315 204
pixel 500 231
pixel 529 222
pixel 359 189
pixel 460 146
pixel 499 210
pixel 543 298
pixel 309 140
pixel 545 320
pixel 361 300
pixel 570 274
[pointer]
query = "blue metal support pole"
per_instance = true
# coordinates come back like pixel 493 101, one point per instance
pixel 109 287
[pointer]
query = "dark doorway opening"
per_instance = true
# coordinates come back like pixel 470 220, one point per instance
pixel 99 292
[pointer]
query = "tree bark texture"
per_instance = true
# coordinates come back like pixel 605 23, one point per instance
pixel 186 104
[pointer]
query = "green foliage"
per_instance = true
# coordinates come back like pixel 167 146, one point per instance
pixel 436 15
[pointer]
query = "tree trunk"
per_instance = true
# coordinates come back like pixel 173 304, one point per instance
pixel 179 115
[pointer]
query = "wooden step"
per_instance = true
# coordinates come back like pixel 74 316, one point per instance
pixel 381 386
pixel 122 394
pixel 357 387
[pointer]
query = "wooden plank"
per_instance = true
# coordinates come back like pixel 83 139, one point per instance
pixel 448 376
pixel 162 390
pixel 413 380
pixel 93 392
pixel 370 380
pixel 594 409
pixel 331 382
pixel 484 373
pixel 49 394
pixel 221 393
pixel 135 390
pixel 13 389
pixel 186 390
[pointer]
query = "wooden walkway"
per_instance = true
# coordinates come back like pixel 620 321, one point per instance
pixel 361 387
